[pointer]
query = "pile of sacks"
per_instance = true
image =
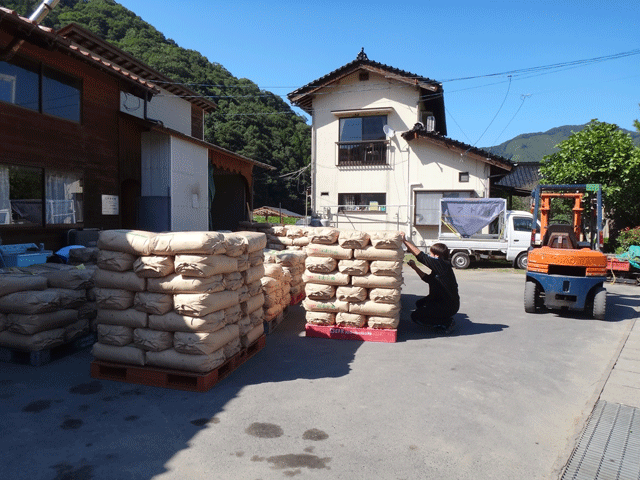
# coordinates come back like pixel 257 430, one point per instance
pixel 179 300
pixel 353 278
pixel 292 262
pixel 276 289
pixel 282 237
pixel 43 306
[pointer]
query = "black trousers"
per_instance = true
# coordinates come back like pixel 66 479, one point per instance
pixel 432 312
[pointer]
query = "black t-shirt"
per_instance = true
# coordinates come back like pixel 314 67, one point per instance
pixel 442 281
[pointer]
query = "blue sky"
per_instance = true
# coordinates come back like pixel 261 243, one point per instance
pixel 282 45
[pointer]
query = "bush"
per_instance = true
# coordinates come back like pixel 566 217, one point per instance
pixel 628 237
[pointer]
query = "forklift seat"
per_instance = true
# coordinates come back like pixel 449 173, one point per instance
pixel 560 236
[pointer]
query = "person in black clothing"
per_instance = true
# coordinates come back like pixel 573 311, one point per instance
pixel 437 309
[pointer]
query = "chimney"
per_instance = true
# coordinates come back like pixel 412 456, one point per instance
pixel 43 10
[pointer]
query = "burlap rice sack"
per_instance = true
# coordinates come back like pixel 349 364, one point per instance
pixel 385 295
pixel 116 335
pixel 18 282
pixel 353 239
pixel 321 264
pixel 76 329
pixel 115 261
pixel 325 236
pixel 253 335
pixel 386 268
pixel 127 318
pixel 252 304
pixel 376 281
pixel 152 340
pixel 350 320
pixel 354 267
pixel 320 318
pixel 333 251
pixel 39 322
pixel 175 283
pixel 373 253
pixel 135 242
pixel 190 243
pixel 351 294
pixel 387 239
pixel 253 273
pixel 232 348
pixel 255 287
pixel 318 291
pixel 256 258
pixel 290 258
pixel 383 322
pixel 126 355
pixel 154 266
pixel 245 325
pixel 334 305
pixel 201 304
pixel 255 241
pixel 234 244
pixel 153 303
pixel 113 298
pixel 269 284
pixel 243 293
pixel 30 302
pixel 335 278
pixel 273 270
pixel 204 265
pixel 174 322
pixel 233 280
pixel 70 298
pixel 375 309
pixel 38 341
pixel 204 343
pixel 232 314
pixel 120 280
pixel 243 262
pixel 189 363
pixel 59 275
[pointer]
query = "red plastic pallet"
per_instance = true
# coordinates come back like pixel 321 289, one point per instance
pixel 297 299
pixel 352 333
pixel 177 379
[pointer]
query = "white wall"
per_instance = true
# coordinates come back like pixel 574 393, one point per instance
pixel 174 112
pixel 422 164
pixel 189 186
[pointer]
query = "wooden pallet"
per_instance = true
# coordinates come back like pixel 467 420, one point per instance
pixel 271 325
pixel 42 357
pixel 176 379
pixel 352 333
pixel 298 298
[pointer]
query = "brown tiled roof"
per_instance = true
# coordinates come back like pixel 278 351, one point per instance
pixel 302 97
pixel 24 29
pixel 418 131
pixel 523 178
pixel 126 62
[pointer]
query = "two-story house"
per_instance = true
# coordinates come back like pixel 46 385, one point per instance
pixel 380 156
pixel 94 138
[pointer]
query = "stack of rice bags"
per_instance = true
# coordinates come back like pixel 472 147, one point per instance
pixel 193 299
pixel 292 262
pixel 276 286
pixel 353 278
pixel 39 306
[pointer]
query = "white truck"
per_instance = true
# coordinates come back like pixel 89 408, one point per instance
pixel 507 233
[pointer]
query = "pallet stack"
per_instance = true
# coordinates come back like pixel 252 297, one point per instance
pixel 186 301
pixel 43 307
pixel 353 281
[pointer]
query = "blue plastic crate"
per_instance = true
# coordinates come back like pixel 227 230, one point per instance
pixel 23 255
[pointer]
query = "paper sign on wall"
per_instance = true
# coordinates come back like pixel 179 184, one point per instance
pixel 110 205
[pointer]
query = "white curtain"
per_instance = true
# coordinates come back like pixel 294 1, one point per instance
pixel 5 203
pixel 62 193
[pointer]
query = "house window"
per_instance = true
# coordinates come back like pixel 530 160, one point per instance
pixel 427 210
pixel 362 141
pixel 26 192
pixel 40 88
pixel 359 202
pixel 463 177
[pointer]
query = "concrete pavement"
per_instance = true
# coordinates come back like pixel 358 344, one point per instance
pixel 507 396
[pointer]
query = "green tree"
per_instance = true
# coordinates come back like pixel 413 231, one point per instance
pixel 600 153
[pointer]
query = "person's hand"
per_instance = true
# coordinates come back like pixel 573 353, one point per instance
pixel 403 235
pixel 411 263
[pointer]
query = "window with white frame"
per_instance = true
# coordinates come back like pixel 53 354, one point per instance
pixel 427 210
pixel 362 141
pixel 362 202
pixel 31 196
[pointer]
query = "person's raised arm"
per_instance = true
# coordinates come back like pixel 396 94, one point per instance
pixel 409 244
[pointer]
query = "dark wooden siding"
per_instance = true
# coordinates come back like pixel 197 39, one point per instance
pixel 90 148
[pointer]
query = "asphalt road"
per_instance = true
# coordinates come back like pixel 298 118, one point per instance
pixel 504 397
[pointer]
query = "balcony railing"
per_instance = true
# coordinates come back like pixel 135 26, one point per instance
pixel 362 153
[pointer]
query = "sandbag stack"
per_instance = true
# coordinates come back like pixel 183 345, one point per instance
pixel 292 262
pixel 178 300
pixel 41 305
pixel 353 279
pixel 276 286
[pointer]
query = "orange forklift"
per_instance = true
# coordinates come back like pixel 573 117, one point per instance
pixel 564 272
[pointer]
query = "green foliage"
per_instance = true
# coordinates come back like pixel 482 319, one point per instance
pixel 248 121
pixel 600 153
pixel 627 238
pixel 275 220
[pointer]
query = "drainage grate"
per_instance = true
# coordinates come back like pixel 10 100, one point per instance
pixel 609 447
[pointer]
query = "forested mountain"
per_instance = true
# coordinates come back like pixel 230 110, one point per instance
pixel 531 147
pixel 248 121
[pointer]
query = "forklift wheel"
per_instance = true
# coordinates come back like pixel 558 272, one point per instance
pixel 531 296
pixel 599 307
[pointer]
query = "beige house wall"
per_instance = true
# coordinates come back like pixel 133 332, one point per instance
pixel 412 167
